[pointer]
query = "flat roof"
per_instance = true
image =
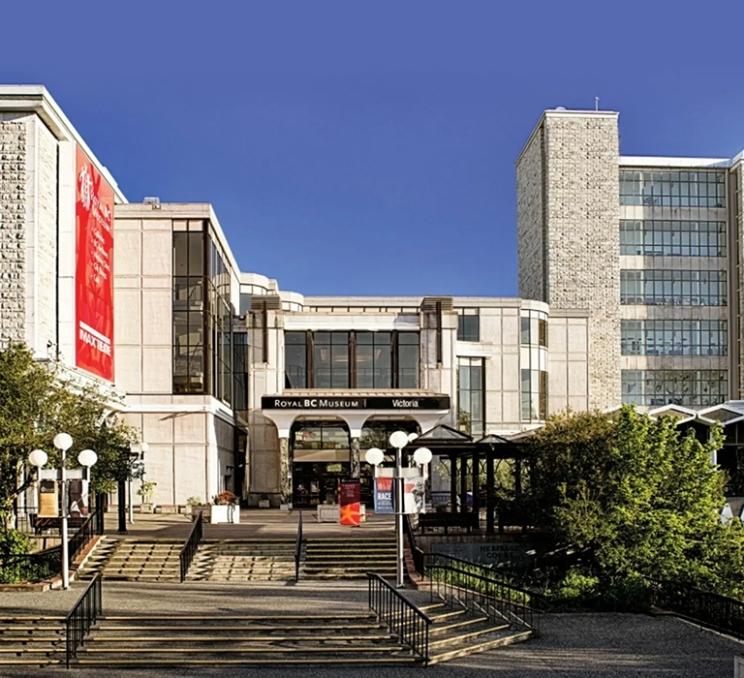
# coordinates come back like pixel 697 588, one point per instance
pixel 673 161
pixel 37 99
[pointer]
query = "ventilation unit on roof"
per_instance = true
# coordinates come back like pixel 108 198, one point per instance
pixel 153 201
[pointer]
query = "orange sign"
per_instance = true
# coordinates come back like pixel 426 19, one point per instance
pixel 350 503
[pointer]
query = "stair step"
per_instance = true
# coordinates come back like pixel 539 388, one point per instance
pixel 501 641
pixel 249 661
pixel 460 637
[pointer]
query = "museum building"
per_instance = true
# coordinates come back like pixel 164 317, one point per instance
pixel 235 383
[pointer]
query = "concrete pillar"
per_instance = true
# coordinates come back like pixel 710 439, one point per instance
pixel 285 466
pixel 355 472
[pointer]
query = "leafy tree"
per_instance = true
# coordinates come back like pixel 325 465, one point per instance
pixel 638 498
pixel 35 404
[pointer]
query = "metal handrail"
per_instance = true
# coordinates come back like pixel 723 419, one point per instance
pixel 400 615
pixel 83 617
pixel 186 556
pixel 710 609
pixel 416 551
pixel 49 561
pixel 298 548
pixel 459 582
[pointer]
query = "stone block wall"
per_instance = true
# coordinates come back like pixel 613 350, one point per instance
pixel 576 209
pixel 13 176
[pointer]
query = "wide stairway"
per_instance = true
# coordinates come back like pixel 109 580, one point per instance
pixel 457 632
pixel 134 560
pixel 243 561
pixel 29 640
pixel 348 557
pixel 176 640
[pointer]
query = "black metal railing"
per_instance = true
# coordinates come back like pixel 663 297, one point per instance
pixel 298 548
pixel 459 582
pixel 399 615
pixel 710 609
pixel 416 551
pixel 92 526
pixel 48 563
pixel 192 544
pixel 83 617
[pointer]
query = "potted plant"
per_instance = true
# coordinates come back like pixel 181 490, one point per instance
pixel 225 508
pixel 195 505
pixel 146 490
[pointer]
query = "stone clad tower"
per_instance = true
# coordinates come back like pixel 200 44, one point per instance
pixel 568 241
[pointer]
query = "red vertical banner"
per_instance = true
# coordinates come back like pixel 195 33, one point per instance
pixel 94 269
pixel 350 499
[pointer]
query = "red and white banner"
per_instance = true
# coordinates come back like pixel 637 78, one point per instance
pixel 94 270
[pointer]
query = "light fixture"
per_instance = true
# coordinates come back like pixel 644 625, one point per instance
pixel 412 437
pixel 38 458
pixel 63 441
pixel 422 456
pixel 374 456
pixel 87 458
pixel 398 439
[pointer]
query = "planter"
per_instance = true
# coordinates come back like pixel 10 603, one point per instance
pixel 146 507
pixel 263 503
pixel 225 513
pixel 285 507
pixel 204 509
pixel 327 513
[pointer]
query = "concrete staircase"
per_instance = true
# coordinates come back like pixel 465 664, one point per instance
pixel 134 560
pixel 244 561
pixel 348 557
pixel 456 632
pixel 248 640
pixel 27 641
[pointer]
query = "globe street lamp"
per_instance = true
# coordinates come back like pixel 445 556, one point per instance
pixel 398 440
pixel 86 458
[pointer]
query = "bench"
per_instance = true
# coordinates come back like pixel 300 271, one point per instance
pixel 39 524
pixel 446 520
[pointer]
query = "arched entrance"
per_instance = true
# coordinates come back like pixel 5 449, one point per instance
pixel 320 454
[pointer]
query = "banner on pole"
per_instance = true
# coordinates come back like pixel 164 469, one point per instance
pixel 350 497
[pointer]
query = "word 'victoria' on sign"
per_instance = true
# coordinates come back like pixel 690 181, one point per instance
pixel 351 403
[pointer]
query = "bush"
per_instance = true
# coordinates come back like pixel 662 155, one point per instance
pixel 13 543
pixel 577 588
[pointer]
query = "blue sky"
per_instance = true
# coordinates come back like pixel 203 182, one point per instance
pixel 369 148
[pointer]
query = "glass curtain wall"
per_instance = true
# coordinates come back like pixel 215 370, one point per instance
pixel 363 360
pixel 534 361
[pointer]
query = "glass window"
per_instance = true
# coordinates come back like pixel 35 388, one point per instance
pixel 690 388
pixel 673 238
pixel 471 396
pixel 468 324
pixel 295 359
pixel 674 337
pixel 408 360
pixel 673 188
pixel 533 328
pixel 667 287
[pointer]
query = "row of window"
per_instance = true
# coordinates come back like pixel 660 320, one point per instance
pixel 673 287
pixel 691 388
pixel 667 238
pixel 673 188
pixel 351 359
pixel 674 337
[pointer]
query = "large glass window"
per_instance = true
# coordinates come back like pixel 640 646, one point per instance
pixel 674 337
pixel 331 359
pixel 534 395
pixel 533 328
pixel 673 238
pixel 295 359
pixel 408 359
pixel 468 324
pixel 673 188
pixel 188 310
pixel 691 388
pixel 365 360
pixel 673 287
pixel 373 361
pixel 471 396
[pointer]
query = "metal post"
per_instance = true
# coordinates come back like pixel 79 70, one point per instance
pixel 65 545
pixel 129 501
pixel 122 507
pixel 399 515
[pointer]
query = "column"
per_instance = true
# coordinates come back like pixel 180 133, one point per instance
pixel 355 472
pixel 490 493
pixel 285 471
pixel 476 489
pixel 453 483
pixel 463 483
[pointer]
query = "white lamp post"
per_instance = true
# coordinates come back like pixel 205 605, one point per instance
pixel 398 440
pixel 86 458
pixel 422 456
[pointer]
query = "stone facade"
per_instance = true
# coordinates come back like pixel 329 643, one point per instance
pixel 13 177
pixel 576 208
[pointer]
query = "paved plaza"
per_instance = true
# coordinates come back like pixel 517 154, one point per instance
pixel 571 645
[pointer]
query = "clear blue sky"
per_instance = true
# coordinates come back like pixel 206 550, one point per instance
pixel 369 148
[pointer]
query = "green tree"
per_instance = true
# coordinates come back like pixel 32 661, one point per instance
pixel 35 404
pixel 638 497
